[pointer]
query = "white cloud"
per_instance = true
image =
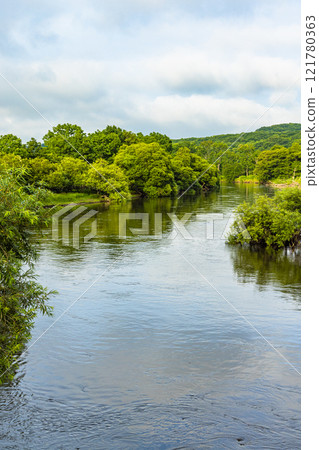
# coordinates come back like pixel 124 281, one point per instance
pixel 209 114
pixel 149 65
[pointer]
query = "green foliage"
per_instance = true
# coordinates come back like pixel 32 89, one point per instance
pixel 172 167
pixel 289 199
pixel 236 154
pixel 164 141
pixel 38 170
pixel 183 172
pixel 271 222
pixel 190 170
pixel 263 139
pixel 108 179
pixel 181 143
pixel 20 296
pixel 12 144
pixel 280 162
pixel 11 163
pixel 239 162
pixel 103 145
pixel 65 140
pixel 231 166
pixel 215 155
pixel 106 143
pixel 251 179
pixel 34 148
pixel 69 175
pixel 206 173
pixel 148 168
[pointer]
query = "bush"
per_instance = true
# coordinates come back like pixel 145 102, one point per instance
pixel 271 222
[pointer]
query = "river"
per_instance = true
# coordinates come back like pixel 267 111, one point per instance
pixel 167 343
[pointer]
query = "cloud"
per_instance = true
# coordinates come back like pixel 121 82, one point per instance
pixel 149 65
pixel 207 115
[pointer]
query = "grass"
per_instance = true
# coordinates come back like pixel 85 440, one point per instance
pixel 71 197
pixel 247 179
pixel 284 182
pixel 287 181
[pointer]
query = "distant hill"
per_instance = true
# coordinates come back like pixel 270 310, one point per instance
pixel 264 138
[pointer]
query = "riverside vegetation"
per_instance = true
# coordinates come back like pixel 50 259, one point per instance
pixel 21 297
pixel 124 164
pixel 272 222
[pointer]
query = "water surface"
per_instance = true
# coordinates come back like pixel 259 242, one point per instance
pixel 167 348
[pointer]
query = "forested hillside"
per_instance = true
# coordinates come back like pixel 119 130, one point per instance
pixel 265 137
pixel 239 155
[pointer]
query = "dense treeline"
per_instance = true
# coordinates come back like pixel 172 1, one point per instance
pixel 122 163
pixel 113 162
pixel 265 154
pixel 264 138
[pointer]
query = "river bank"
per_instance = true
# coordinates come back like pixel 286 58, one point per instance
pixel 78 198
pixel 284 184
pixel 277 183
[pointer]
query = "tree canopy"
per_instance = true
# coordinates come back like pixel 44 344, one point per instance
pixel 151 165
pixel 279 162
pixel 148 168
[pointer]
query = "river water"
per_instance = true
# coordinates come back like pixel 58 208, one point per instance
pixel 168 343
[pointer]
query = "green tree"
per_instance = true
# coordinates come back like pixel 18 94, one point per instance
pixel 289 199
pixel 108 179
pixel 38 170
pixel 193 173
pixel 279 162
pixel 103 144
pixel 106 143
pixel 34 148
pixel 148 168
pixel 164 141
pixel 20 295
pixel 232 166
pixel 10 143
pixel 246 154
pixel 69 175
pixel 65 140
pixel 216 155
pixel 184 174
pixel 205 148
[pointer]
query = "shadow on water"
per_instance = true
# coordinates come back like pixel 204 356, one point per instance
pixel 264 268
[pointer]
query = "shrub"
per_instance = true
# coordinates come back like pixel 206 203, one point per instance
pixel 271 222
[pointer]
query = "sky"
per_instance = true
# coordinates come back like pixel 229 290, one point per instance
pixel 179 67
